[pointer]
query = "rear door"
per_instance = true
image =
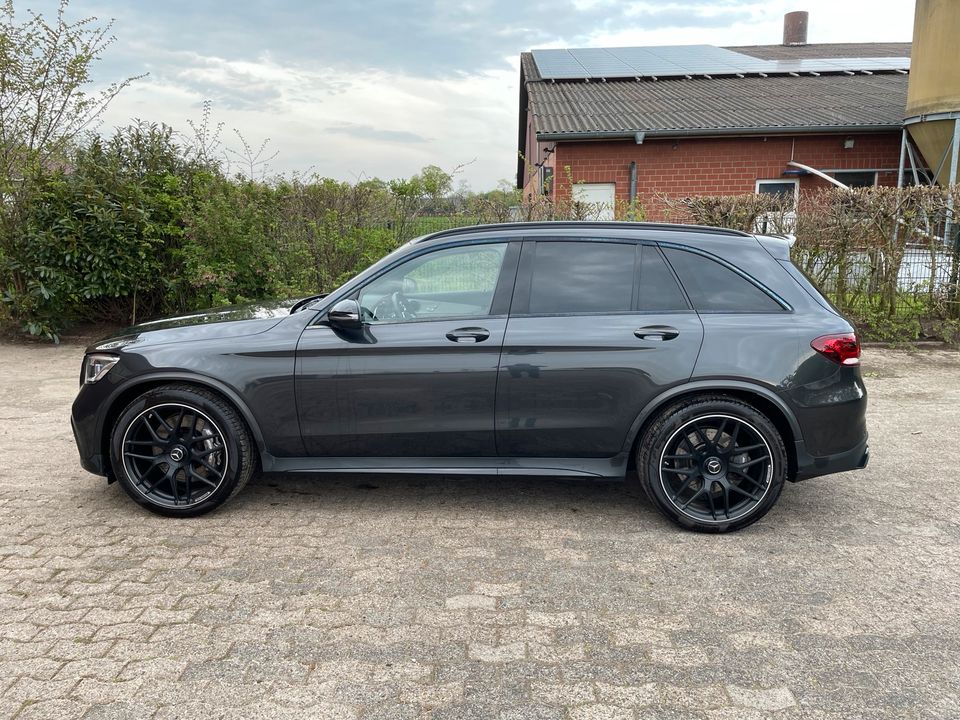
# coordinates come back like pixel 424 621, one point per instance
pixel 596 330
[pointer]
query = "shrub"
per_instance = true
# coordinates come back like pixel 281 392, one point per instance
pixel 89 241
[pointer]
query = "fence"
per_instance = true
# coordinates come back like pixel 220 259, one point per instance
pixel 879 254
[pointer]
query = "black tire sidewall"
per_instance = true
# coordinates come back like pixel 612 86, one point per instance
pixel 671 420
pixel 219 413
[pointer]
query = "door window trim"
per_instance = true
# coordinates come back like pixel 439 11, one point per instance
pixel 521 298
pixel 499 306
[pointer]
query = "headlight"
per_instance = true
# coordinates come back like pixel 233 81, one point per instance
pixel 97 365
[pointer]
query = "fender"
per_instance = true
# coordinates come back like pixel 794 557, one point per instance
pixel 715 385
pixel 202 380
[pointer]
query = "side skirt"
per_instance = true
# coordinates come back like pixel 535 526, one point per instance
pixel 614 467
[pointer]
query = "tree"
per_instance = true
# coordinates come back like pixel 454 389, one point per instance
pixel 44 69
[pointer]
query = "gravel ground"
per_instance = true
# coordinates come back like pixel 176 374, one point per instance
pixel 396 597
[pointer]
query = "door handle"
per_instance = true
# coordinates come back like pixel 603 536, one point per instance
pixel 656 332
pixel 468 334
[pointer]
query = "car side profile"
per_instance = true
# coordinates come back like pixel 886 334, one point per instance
pixel 701 358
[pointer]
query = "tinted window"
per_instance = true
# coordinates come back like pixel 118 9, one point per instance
pixel 456 282
pixel 658 287
pixel 713 287
pixel 786 190
pixel 857 179
pixel 582 277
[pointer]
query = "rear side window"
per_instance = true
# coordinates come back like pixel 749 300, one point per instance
pixel 810 285
pixel 658 290
pixel 582 277
pixel 715 288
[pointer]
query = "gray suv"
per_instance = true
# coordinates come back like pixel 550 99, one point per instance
pixel 700 358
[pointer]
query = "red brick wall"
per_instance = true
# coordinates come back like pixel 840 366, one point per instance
pixel 718 166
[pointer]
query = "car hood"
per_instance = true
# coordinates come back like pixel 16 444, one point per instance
pixel 222 322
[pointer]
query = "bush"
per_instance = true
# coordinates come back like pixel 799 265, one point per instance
pixel 230 253
pixel 89 241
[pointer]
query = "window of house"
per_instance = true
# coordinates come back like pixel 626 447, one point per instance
pixel 546 180
pixel 786 188
pixel 582 277
pixel 712 287
pixel 857 178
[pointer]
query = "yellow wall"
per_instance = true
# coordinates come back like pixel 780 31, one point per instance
pixel 935 78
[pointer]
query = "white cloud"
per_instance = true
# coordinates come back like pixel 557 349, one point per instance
pixel 388 106
pixel 373 123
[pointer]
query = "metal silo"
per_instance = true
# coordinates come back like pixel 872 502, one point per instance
pixel 933 95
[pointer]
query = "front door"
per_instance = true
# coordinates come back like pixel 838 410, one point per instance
pixel 419 378
pixel 596 331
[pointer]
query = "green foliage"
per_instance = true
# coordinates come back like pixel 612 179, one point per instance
pixel 93 235
pixel 230 250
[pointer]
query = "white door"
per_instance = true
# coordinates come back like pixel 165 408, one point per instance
pixel 596 199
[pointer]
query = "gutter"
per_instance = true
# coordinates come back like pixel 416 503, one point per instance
pixel 716 132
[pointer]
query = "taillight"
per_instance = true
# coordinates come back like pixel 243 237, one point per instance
pixel 843 349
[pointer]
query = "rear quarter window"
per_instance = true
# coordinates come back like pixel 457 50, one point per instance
pixel 713 287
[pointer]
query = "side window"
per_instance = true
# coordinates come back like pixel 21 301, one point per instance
pixel 452 283
pixel 582 277
pixel 715 288
pixel 658 290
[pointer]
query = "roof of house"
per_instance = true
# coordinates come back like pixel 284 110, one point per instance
pixel 824 50
pixel 703 105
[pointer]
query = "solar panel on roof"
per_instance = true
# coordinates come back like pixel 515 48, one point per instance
pixel 600 63
pixel 682 60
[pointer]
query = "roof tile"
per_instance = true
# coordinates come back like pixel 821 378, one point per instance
pixel 727 103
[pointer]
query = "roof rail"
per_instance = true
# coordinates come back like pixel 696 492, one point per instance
pixel 563 224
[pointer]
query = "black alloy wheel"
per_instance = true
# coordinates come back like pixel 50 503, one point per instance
pixel 180 450
pixel 716 468
pixel 713 464
pixel 175 455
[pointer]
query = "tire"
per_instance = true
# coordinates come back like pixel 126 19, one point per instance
pixel 712 463
pixel 186 473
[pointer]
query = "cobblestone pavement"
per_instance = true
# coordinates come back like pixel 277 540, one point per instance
pixel 393 597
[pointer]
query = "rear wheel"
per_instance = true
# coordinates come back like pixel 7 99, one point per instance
pixel 712 463
pixel 181 451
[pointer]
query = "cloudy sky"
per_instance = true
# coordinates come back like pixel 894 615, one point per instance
pixel 378 88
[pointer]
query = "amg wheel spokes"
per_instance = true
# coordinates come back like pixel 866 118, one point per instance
pixel 175 455
pixel 716 468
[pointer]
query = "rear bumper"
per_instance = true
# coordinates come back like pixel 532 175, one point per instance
pixel 809 466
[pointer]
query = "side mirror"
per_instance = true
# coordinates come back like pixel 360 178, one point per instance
pixel 345 314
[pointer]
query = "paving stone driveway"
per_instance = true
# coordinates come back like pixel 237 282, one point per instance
pixel 392 597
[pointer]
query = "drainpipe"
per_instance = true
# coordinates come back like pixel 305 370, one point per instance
pixel 633 180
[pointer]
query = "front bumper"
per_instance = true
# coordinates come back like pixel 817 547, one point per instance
pixel 88 442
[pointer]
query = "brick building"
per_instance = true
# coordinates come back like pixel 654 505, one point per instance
pixel 731 128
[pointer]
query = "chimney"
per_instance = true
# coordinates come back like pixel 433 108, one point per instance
pixel 795 27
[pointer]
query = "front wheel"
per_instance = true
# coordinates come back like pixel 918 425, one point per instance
pixel 181 451
pixel 712 464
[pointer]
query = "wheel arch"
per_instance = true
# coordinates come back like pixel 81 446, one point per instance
pixel 763 399
pixel 128 391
